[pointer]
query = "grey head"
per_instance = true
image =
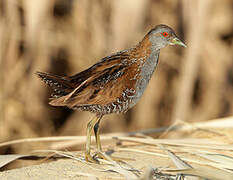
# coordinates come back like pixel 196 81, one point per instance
pixel 162 35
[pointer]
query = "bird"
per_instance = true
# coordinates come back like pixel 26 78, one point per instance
pixel 114 84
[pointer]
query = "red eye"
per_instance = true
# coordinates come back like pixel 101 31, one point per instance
pixel 165 34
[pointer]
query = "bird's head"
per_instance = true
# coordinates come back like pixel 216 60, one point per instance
pixel 162 35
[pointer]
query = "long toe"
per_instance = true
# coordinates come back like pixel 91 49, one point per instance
pixel 91 159
pixel 104 156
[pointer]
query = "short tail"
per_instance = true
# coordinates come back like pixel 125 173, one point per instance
pixel 60 84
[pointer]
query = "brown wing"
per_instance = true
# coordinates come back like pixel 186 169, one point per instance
pixel 60 84
pixel 107 82
pixel 64 85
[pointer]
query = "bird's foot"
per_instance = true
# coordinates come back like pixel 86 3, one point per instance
pixel 91 159
pixel 107 156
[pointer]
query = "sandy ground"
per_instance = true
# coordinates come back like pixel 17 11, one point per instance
pixel 73 169
pixel 212 161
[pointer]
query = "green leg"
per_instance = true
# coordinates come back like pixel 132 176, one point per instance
pixel 90 126
pixel 99 152
pixel 97 135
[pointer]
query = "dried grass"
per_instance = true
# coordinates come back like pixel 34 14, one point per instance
pixel 65 37
pixel 183 157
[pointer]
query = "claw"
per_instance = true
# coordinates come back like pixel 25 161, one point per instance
pixel 91 159
pixel 104 156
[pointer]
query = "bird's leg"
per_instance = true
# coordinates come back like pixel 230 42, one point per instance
pixel 99 152
pixel 97 139
pixel 97 136
pixel 94 124
pixel 90 126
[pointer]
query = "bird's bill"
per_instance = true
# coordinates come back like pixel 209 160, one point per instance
pixel 176 41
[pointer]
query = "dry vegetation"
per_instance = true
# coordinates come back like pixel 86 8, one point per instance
pixel 67 36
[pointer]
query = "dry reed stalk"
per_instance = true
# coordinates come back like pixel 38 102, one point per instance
pixel 196 13
pixel 34 36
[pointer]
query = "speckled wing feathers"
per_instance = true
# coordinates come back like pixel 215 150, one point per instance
pixel 99 88
pixel 60 84
pixel 108 86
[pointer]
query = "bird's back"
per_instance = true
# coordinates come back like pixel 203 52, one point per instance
pixel 112 85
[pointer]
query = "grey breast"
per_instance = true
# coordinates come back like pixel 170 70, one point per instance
pixel 147 70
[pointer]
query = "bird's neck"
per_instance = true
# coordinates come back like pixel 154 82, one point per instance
pixel 148 43
pixel 146 48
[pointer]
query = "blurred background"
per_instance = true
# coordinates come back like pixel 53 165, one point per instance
pixel 67 36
